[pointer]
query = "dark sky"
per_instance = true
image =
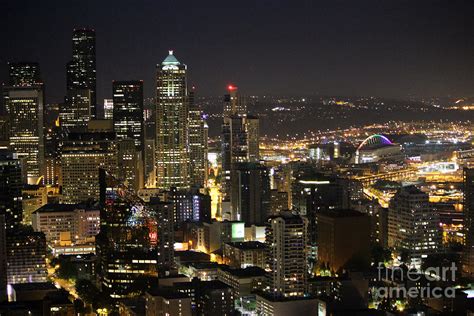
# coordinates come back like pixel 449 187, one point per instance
pixel 353 47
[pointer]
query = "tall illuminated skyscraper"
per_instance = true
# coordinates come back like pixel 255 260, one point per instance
pixel 468 257
pixel 128 111
pixel 240 136
pixel 75 112
pixel 198 134
pixel 286 238
pixel 172 157
pixel 10 190
pixel 24 103
pixel 81 70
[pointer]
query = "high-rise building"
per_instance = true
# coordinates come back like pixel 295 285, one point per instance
pixel 26 256
pixel 10 189
pixel 250 196
pixel 198 134
pixel 165 238
pixel 343 239
pixel 81 70
pixel 3 260
pixel 253 137
pixel 312 193
pixel 286 239
pixel 24 103
pixel 240 136
pixel 75 111
pixel 468 188
pixel 189 205
pixel 24 74
pixel 82 156
pixel 127 243
pixel 128 111
pixel 130 164
pixel 172 159
pixel 413 225
pixel 234 103
pixel 108 109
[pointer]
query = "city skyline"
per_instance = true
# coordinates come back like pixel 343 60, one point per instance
pixel 397 49
pixel 240 178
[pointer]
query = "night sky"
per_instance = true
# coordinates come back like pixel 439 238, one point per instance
pixel 381 47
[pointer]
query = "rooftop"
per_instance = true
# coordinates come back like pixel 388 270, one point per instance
pixel 243 273
pixel 247 245
pixel 170 60
pixel 341 213
pixel 57 207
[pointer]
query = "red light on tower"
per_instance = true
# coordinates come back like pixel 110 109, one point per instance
pixel 231 87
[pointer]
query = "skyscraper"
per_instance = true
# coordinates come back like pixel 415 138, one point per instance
pixel 250 196
pixel 252 124
pixel 24 103
pixel 165 239
pixel 75 111
pixel 172 157
pixel 240 136
pixel 286 239
pixel 10 190
pixel 413 225
pixel 81 70
pixel 23 74
pixel 468 257
pixel 128 111
pixel 127 242
pixel 82 156
pixel 198 134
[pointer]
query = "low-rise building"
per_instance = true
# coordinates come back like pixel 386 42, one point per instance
pixel 67 224
pixel 245 254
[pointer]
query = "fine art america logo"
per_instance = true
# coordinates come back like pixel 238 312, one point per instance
pixel 415 283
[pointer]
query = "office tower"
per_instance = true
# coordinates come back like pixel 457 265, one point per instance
pixel 250 196
pixel 127 243
pixel 26 256
pixel 24 104
pixel 165 243
pixel 240 136
pixel 24 74
pixel 129 164
pixel 108 109
pixel 128 111
pixel 234 149
pixel 172 160
pixel 234 103
pixel 149 162
pixel 343 239
pixel 10 189
pixel 286 239
pixel 81 70
pixel 75 111
pixel 82 156
pixel 253 137
pixel 189 205
pixel 413 225
pixel 313 192
pixel 33 197
pixel 3 260
pixel 198 134
pixel 468 188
